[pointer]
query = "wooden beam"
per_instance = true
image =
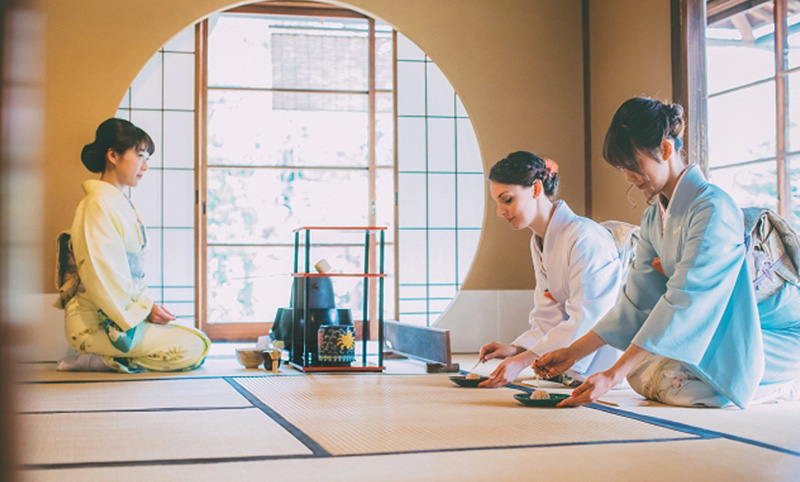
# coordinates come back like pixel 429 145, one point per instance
pixel 200 174
pixel 296 4
pixel 743 26
pixel 718 10
pixel 689 75
pixel 236 331
pixel 395 170
pixel 761 14
pixel 372 316
pixel 587 112
pixel 297 11
pixel 782 110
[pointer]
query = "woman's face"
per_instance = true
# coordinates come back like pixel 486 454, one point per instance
pixel 129 166
pixel 515 203
pixel 653 177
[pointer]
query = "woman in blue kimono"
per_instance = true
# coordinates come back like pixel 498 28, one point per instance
pixel 109 320
pixel 688 319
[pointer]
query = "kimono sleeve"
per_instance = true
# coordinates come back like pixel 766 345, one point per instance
pixel 711 262
pixel 593 270
pixel 640 293
pixel 545 312
pixel 104 270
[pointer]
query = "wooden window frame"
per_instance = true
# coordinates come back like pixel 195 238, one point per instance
pixel 689 20
pixel 241 331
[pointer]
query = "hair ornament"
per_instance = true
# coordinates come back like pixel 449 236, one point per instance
pixel 552 167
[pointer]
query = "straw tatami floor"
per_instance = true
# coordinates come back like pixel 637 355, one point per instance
pixel 224 422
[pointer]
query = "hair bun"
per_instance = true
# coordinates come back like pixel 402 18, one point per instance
pixel 675 124
pixel 92 158
pixel 674 111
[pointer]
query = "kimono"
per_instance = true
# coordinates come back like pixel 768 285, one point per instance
pixel 578 274
pixel 106 311
pixel 689 297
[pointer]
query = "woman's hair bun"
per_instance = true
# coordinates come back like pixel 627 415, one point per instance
pixel 92 158
pixel 117 134
pixel 675 124
pixel 523 168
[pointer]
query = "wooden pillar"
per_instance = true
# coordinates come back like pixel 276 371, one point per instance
pixel 689 75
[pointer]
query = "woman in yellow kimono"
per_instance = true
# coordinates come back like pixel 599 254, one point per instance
pixel 688 319
pixel 109 318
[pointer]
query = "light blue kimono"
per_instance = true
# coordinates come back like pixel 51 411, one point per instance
pixel 702 310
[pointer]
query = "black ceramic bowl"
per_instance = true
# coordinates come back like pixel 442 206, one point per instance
pixel 463 381
pixel 525 399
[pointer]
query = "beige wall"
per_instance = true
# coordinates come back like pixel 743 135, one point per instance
pixel 630 57
pixel 517 65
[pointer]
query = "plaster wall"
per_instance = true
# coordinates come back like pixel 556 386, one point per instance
pixel 516 64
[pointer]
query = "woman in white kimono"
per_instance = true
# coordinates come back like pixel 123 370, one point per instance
pixel 576 264
pixel 688 319
pixel 108 318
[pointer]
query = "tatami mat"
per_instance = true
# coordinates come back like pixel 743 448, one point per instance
pixel 212 368
pixel 155 394
pixel 69 438
pixel 374 413
pixel 702 459
pixel 216 367
pixel 774 424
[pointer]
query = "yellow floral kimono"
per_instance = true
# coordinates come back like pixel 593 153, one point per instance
pixel 106 310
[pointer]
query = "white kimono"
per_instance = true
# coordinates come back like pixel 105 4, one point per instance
pixel 108 314
pixel 578 274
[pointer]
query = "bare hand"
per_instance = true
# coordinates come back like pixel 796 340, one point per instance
pixel 506 372
pixel 553 363
pixel 160 315
pixel 589 391
pixel 498 350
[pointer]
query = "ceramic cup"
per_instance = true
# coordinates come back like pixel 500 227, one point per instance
pixel 272 360
pixel 249 357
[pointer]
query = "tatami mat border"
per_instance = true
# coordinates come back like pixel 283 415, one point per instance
pixel 139 463
pixel 131 410
pixel 692 429
pixel 259 458
pixel 681 427
pixel 125 380
pixel 211 377
pixel 303 437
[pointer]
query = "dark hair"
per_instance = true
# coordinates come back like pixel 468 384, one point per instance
pixel 523 168
pixel 117 134
pixel 640 125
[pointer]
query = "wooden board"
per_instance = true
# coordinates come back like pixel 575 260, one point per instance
pixel 431 345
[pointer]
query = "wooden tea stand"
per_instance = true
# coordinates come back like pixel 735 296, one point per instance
pixel 297 316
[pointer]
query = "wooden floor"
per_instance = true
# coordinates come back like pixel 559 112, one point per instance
pixel 222 422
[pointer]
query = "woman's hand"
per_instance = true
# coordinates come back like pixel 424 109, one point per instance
pixel 558 361
pixel 498 350
pixel 160 315
pixel 600 383
pixel 554 363
pixel 592 389
pixel 508 370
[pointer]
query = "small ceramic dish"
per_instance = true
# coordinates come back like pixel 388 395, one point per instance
pixel 249 357
pixel 463 381
pixel 525 399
